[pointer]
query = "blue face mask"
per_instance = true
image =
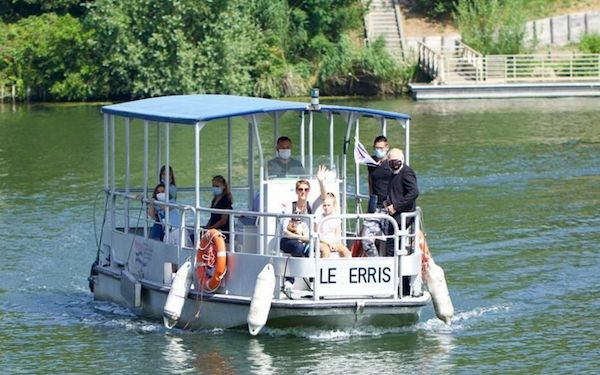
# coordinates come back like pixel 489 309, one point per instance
pixel 380 153
pixel 217 190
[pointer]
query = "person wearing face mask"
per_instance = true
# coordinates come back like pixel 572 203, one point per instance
pixel 402 191
pixel 222 199
pixel 283 164
pixel 157 214
pixel 379 176
pixel 172 185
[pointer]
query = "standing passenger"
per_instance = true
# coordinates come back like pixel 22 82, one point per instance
pixel 402 191
pixel 379 176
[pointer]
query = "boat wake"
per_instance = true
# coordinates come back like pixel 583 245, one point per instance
pixel 460 320
pixel 320 334
pixel 433 325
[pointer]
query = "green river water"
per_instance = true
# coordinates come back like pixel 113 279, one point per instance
pixel 511 196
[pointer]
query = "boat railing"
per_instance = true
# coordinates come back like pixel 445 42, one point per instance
pixel 264 240
pixel 131 222
pixel 128 219
pixel 402 235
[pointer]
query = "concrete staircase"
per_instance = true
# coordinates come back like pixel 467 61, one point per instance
pixel 385 19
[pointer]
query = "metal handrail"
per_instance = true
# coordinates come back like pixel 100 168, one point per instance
pixel 473 58
pixel 431 62
pixel 471 68
pixel 183 208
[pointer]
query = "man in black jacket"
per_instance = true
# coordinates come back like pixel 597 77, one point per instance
pixel 379 177
pixel 402 191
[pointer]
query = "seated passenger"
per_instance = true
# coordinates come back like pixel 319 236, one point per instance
pixel 222 200
pixel 284 164
pixel 295 238
pixel 172 186
pixel 155 212
pixel 317 205
pixel 330 234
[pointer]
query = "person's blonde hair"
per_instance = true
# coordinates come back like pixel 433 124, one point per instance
pixel 302 182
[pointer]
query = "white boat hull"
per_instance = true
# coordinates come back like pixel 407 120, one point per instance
pixel 223 311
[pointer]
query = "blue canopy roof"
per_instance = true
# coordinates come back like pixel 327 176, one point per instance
pixel 189 109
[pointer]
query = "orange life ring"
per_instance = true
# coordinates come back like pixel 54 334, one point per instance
pixel 211 260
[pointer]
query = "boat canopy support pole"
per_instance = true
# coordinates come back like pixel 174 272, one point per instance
pixel 310 142
pixel 229 152
pixel 407 142
pixel 146 125
pixel 197 127
pixel 349 117
pixel 127 170
pixel 158 153
pixel 112 172
pixel 384 126
pixel 250 176
pixel 167 182
pixel 276 116
pixel 302 128
pixel 357 168
pixel 331 133
pixel 261 175
pixel 106 154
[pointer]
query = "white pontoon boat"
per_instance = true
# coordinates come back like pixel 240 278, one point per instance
pixel 193 277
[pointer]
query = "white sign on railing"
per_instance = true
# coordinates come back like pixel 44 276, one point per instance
pixel 355 277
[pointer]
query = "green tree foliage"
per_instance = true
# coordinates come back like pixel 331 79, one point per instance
pixel 142 48
pixel 14 10
pixel 438 9
pixel 347 69
pixel 492 26
pixel 48 54
pixel 151 48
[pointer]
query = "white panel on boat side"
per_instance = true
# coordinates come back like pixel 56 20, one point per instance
pixel 410 264
pixel 355 277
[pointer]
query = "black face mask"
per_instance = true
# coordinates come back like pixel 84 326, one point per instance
pixel 395 164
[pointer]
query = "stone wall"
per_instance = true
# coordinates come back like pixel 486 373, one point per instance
pixel 559 30
pixel 562 30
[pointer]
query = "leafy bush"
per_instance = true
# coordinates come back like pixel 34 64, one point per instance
pixel 434 8
pixel 350 69
pixel 139 48
pixel 492 26
pixel 590 43
pixel 49 54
